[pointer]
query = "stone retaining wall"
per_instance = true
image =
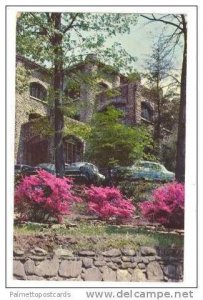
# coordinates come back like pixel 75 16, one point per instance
pixel 145 264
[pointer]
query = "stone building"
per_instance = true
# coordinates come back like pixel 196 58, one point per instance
pixel 33 106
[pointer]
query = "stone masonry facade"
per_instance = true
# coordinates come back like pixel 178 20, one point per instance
pixel 129 99
pixel 126 265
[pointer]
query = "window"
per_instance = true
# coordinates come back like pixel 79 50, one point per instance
pixel 33 116
pixel 72 149
pixel 38 91
pixel 146 111
pixel 69 152
pixel 103 86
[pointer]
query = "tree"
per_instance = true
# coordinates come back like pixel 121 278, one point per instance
pixel 158 67
pixel 60 39
pixel 179 23
pixel 169 121
pixel 110 142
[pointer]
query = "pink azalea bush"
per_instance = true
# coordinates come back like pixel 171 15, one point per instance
pixel 108 202
pixel 167 206
pixel 42 196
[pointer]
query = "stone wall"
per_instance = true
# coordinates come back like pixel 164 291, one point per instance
pixel 144 264
pixel 87 92
pixel 24 106
pixel 127 96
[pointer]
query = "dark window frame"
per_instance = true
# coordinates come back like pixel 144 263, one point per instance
pixel 38 91
pixel 146 112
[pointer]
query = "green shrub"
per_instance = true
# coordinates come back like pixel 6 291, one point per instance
pixel 138 190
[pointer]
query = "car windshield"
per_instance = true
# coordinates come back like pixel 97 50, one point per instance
pixel 94 168
pixel 17 167
pixel 152 166
pixel 47 166
pixel 22 167
pixel 81 164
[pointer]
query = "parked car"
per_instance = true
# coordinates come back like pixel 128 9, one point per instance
pixel 89 170
pixel 82 172
pixel 47 167
pixel 146 170
pixel 24 170
pixel 77 175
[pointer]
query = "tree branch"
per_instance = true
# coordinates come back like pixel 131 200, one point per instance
pixel 71 23
pixel 38 20
pixel 153 18
pixel 175 79
pixel 178 17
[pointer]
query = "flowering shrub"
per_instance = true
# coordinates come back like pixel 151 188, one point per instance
pixel 167 206
pixel 39 197
pixel 108 202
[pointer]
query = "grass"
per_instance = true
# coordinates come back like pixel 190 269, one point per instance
pixel 101 237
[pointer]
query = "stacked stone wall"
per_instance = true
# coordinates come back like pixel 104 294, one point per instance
pixel 129 265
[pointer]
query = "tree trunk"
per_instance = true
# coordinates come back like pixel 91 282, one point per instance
pixel 180 158
pixel 58 90
pixel 157 125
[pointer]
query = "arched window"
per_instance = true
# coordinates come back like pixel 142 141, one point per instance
pixel 33 116
pixel 146 111
pixel 38 91
pixel 103 86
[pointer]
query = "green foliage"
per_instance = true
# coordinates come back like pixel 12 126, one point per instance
pixel 22 79
pixel 111 142
pixel 170 111
pixel 158 74
pixel 160 63
pixel 73 85
pixel 42 126
pixel 112 93
pixel 76 128
pixel 134 76
pixel 137 190
pixel 169 148
pixel 106 236
pixel 82 33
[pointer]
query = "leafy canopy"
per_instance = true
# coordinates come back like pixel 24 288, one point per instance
pixel 110 142
pixel 82 34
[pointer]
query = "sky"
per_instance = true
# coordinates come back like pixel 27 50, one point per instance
pixel 140 40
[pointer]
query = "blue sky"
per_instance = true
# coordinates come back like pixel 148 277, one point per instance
pixel 140 40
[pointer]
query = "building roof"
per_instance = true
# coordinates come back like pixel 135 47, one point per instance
pixel 31 63
pixel 79 65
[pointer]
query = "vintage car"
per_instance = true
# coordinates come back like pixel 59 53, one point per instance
pixel 145 170
pixel 83 172
pixel 24 170
pixel 88 169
